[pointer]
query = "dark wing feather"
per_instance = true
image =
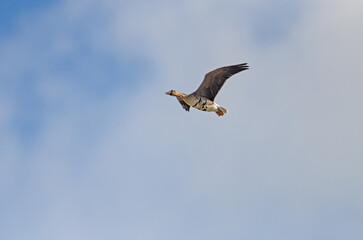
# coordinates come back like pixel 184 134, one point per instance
pixel 214 80
pixel 184 104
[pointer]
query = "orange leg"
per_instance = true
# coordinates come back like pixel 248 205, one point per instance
pixel 220 113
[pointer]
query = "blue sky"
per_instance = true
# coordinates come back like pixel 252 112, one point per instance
pixel 11 11
pixel 92 148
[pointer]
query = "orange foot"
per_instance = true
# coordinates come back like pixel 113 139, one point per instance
pixel 220 113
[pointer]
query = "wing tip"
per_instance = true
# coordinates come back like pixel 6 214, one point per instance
pixel 244 66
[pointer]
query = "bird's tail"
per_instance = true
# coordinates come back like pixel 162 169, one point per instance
pixel 222 109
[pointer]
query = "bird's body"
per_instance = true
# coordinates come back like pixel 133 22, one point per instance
pixel 203 98
pixel 200 103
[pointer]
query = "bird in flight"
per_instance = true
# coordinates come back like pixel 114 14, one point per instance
pixel 203 98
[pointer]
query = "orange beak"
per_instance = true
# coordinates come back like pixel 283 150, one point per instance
pixel 167 93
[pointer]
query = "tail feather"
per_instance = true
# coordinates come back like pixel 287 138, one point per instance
pixel 222 109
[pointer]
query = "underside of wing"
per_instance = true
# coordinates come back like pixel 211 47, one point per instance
pixel 214 80
pixel 184 104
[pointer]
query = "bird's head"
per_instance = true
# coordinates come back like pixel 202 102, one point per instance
pixel 175 94
pixel 171 93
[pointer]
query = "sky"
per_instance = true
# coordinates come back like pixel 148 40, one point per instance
pixel 92 148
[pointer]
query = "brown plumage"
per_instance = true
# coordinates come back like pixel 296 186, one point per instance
pixel 214 80
pixel 203 97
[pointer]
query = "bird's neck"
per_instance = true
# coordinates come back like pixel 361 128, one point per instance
pixel 178 94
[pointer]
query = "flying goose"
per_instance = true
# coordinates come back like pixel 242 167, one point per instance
pixel 203 98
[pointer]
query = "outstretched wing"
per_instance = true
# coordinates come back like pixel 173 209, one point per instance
pixel 214 80
pixel 184 104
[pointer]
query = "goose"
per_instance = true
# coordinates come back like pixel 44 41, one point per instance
pixel 203 98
